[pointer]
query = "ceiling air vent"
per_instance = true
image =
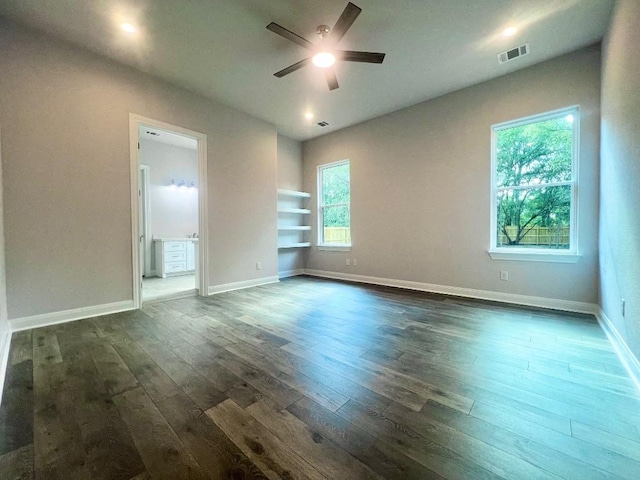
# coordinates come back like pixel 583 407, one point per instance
pixel 323 124
pixel 513 53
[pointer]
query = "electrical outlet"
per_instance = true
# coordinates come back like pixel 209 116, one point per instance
pixel 348 262
pixel 354 262
pixel 504 275
pixel 258 265
pixel 623 304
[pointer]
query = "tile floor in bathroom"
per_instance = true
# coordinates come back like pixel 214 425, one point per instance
pixel 157 287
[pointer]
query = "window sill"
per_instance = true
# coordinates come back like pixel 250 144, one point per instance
pixel 537 256
pixel 334 248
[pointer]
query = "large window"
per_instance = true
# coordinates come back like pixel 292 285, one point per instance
pixel 534 165
pixel 334 198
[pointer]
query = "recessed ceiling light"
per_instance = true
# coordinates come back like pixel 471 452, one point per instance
pixel 323 59
pixel 510 32
pixel 308 116
pixel 127 27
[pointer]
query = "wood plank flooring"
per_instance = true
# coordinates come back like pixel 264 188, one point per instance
pixel 315 379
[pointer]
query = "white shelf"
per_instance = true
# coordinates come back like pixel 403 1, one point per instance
pixel 295 227
pixel 294 210
pixel 293 193
pixel 293 230
pixel 296 245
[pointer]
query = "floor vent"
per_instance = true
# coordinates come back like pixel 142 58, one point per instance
pixel 323 124
pixel 513 53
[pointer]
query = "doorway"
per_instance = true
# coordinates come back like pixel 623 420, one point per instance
pixel 168 206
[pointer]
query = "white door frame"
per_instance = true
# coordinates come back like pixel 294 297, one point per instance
pixel 145 263
pixel 5 330
pixel 202 282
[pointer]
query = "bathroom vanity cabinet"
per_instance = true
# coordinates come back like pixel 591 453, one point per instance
pixel 175 256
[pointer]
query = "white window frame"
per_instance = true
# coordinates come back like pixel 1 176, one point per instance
pixel 344 247
pixel 538 254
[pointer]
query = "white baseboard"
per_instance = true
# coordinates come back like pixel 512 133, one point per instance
pixel 5 343
pixel 624 353
pixel 291 273
pixel 227 287
pixel 46 319
pixel 552 303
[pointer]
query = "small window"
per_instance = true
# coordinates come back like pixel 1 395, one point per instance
pixel 334 213
pixel 534 165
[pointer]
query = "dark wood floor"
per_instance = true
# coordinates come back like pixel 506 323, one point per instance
pixel 318 379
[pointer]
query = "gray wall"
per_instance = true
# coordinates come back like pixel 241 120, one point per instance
pixel 620 173
pixel 65 148
pixel 421 185
pixel 290 178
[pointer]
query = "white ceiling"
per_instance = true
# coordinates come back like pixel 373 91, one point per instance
pixel 222 50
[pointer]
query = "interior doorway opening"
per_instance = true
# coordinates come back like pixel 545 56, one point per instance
pixel 168 170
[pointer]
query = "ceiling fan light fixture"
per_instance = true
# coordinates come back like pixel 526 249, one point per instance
pixel 128 27
pixel 324 59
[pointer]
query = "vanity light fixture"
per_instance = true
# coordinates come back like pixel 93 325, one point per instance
pixel 182 185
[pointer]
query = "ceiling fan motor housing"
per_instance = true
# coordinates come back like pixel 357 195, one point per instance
pixel 323 30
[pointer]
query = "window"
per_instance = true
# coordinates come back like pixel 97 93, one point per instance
pixel 334 214
pixel 534 165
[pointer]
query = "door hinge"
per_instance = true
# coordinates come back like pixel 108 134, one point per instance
pixel 138 145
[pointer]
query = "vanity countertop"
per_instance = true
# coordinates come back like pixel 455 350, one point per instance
pixel 175 239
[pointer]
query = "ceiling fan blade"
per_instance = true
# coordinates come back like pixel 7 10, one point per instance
pixel 332 80
pixel 365 57
pixel 292 68
pixel 344 23
pixel 289 35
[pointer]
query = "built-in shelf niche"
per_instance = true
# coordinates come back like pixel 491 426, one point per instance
pixel 293 219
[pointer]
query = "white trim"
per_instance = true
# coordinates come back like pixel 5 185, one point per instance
pixel 146 208
pixel 291 273
pixel 46 319
pixel 5 344
pixel 536 118
pixel 227 287
pixel 136 281
pixel 542 302
pixel 5 328
pixel 334 247
pixel 202 279
pixel 627 358
pixel 533 256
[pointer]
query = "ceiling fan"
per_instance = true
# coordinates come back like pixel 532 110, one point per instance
pixel 325 52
